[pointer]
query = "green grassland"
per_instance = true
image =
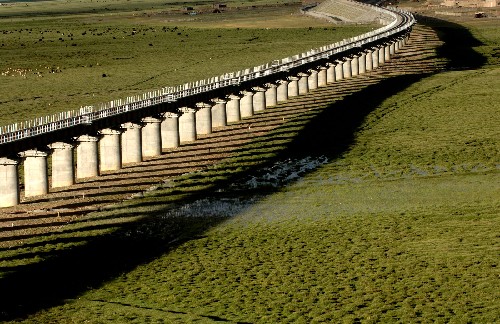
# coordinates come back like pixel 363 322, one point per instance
pixel 401 224
pixel 52 64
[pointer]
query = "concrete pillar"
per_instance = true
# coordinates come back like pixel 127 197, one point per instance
pixel 131 143
pixel 233 109
pixel 293 86
pixel 330 73
pixel 203 118
pixel 170 131
pixel 9 182
pixel 259 99
pixel 313 80
pixel 392 48
pixel 381 55
pixel 346 67
pixel 387 53
pixel 219 118
pixel 36 181
pixel 354 66
pixel 63 167
pixel 397 42
pixel 110 150
pixel 282 91
pixel 362 63
pixel 339 71
pixel 303 83
pixel 87 160
pixel 322 76
pixel 369 60
pixel 246 104
pixel 187 124
pixel 271 95
pixel 151 137
pixel 375 58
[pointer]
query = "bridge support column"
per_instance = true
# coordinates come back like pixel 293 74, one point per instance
pixel 131 143
pixel 339 71
pixel 271 95
pixel 259 99
pixel 219 118
pixel 170 131
pixel 330 73
pixel 63 167
pixel 381 55
pixel 87 160
pixel 151 137
pixel 397 42
pixel 355 66
pixel 312 81
pixel 233 109
pixel 9 182
pixel 322 76
pixel 387 53
pixel 246 104
pixel 362 63
pixel 293 86
pixel 203 118
pixel 282 91
pixel 36 181
pixel 369 60
pixel 375 59
pixel 392 48
pixel 110 151
pixel 346 67
pixel 303 83
pixel 187 124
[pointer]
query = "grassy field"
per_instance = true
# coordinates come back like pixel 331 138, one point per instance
pixel 380 210
pixel 57 64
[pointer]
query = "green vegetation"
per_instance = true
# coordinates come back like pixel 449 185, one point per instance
pixel 400 225
pixel 57 64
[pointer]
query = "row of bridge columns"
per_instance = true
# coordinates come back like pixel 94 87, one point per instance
pixel 132 142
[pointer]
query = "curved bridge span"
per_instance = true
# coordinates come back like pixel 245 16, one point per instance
pixel 128 130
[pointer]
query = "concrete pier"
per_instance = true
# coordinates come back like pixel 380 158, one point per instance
pixel 330 73
pixel 219 118
pixel 9 182
pixel 87 159
pixel 259 99
pixel 246 104
pixel 392 48
pixel 346 67
pixel 293 86
pixel 151 137
pixel 203 118
pixel 313 79
pixel 396 45
pixel 233 109
pixel 170 131
pixel 387 52
pixel 36 181
pixel 131 143
pixel 303 83
pixel 339 70
pixel 362 63
pixel 375 58
pixel 63 167
pixel 110 150
pixel 369 60
pixel 282 91
pixel 271 94
pixel 355 66
pixel 381 55
pixel 187 124
pixel 322 76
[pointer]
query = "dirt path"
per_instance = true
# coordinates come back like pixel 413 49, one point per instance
pixel 49 213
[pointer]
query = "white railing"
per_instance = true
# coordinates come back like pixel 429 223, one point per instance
pixel 85 115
